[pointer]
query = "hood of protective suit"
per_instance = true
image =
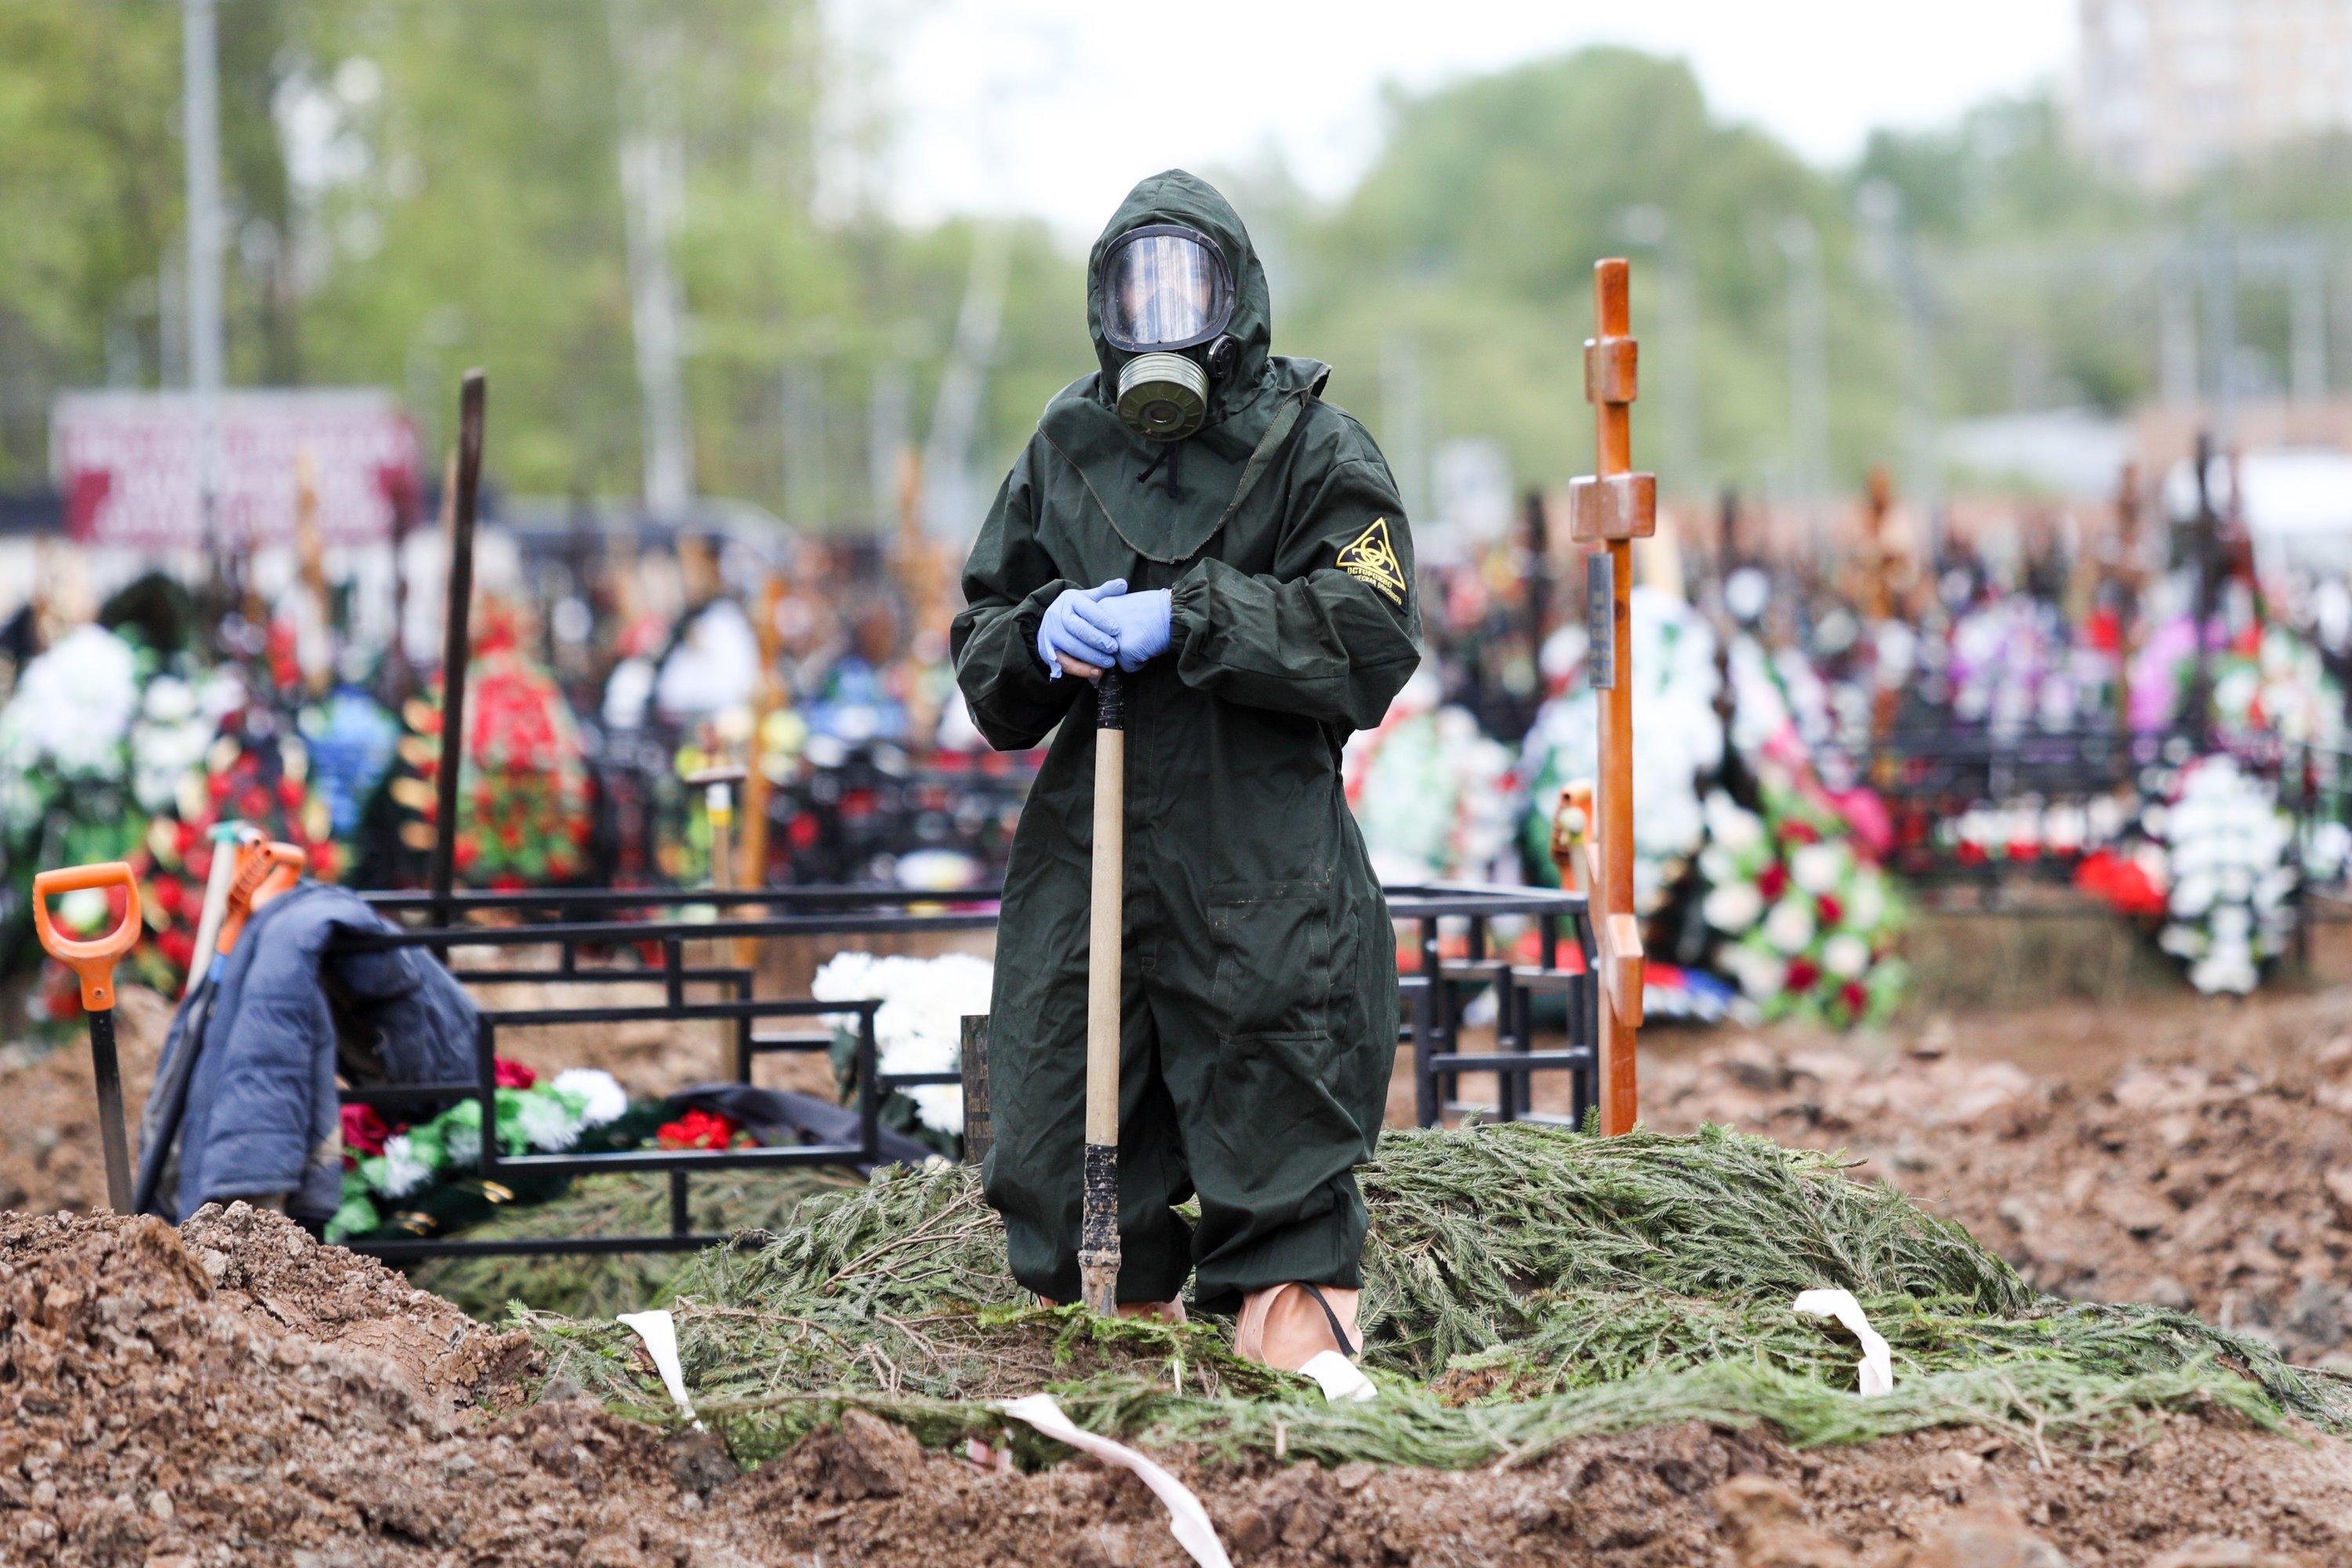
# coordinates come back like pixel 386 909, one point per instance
pixel 1176 197
pixel 1169 509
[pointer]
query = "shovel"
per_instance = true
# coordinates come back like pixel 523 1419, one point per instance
pixel 219 875
pixel 93 964
pixel 1098 1226
pixel 262 871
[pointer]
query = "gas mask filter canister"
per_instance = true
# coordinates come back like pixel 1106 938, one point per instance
pixel 1163 396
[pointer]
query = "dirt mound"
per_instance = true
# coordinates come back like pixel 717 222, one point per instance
pixel 243 1394
pixel 271 1269
pixel 49 1151
pixel 237 1394
pixel 1688 1496
pixel 2183 1181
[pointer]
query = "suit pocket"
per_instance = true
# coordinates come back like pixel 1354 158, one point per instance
pixel 1274 957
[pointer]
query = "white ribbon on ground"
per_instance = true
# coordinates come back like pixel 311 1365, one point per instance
pixel 1187 1520
pixel 1877 1369
pixel 660 1331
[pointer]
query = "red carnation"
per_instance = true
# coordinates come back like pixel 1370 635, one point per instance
pixel 1773 881
pixel 1800 833
pixel 1830 909
pixel 1855 998
pixel 364 1132
pixel 697 1130
pixel 1802 972
pixel 514 1075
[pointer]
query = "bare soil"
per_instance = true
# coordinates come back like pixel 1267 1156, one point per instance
pixel 2196 1155
pixel 49 1156
pixel 233 1392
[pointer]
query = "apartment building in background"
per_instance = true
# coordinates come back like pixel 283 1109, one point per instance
pixel 2164 89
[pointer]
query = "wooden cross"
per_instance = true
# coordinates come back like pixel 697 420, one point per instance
pixel 1608 510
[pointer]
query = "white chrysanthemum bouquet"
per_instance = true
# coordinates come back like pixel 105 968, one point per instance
pixel 2231 874
pixel 918 1027
pixel 1804 925
pixel 1430 791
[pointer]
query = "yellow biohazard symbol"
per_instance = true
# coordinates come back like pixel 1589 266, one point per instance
pixel 1373 559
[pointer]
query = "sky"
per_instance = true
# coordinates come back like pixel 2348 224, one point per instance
pixel 1056 107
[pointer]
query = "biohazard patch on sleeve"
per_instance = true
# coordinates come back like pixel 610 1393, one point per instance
pixel 1370 558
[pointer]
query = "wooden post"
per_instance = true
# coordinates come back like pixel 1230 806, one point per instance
pixel 2206 543
pixel 1878 585
pixel 2123 583
pixel 1606 512
pixel 766 698
pixel 1878 605
pixel 311 554
pixel 979 1123
pixel 1540 585
pixel 457 642
pixel 718 786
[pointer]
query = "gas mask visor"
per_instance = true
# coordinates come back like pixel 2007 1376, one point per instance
pixel 1164 287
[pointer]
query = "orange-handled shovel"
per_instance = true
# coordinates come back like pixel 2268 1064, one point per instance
pixel 93 964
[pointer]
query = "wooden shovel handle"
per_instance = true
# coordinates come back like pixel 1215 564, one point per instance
pixel 93 962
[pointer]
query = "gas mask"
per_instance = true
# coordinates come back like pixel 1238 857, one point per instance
pixel 1166 290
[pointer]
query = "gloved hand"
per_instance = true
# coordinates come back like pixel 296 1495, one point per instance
pixel 1140 623
pixel 1075 628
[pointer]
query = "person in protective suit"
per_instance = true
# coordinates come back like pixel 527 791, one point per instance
pixel 1195 513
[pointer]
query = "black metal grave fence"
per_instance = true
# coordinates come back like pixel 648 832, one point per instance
pixel 1462 938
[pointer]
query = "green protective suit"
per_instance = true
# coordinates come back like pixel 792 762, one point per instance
pixel 1259 1019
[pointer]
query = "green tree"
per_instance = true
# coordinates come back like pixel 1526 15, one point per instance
pixel 1473 237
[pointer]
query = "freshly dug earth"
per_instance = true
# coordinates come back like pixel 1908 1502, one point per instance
pixel 49 1156
pixel 2204 1163
pixel 1663 1498
pixel 234 1393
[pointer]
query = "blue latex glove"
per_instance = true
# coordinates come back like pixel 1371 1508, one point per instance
pixel 1074 624
pixel 1140 621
